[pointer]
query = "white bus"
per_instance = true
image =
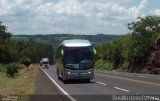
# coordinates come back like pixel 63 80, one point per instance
pixel 75 60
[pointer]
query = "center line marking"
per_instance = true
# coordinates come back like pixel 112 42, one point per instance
pixel 101 83
pixel 121 89
pixel 129 79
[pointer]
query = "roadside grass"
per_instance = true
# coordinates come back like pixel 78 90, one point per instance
pixel 22 84
pixel 103 65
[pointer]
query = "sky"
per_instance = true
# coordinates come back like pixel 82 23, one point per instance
pixel 74 16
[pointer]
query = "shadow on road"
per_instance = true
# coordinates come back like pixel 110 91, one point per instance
pixel 76 81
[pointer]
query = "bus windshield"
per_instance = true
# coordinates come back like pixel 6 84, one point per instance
pixel 78 55
pixel 45 62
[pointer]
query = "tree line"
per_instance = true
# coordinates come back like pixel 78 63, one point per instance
pixel 131 52
pixel 55 39
pixel 13 51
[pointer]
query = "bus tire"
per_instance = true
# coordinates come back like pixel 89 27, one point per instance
pixel 58 74
pixel 59 77
pixel 64 81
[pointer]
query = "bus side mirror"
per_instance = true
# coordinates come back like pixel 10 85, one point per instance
pixel 94 51
pixel 62 52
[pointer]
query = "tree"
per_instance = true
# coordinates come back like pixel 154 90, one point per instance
pixel 144 30
pixel 6 55
pixel 132 50
pixel 4 35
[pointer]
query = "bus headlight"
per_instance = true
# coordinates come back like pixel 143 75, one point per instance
pixel 69 73
pixel 89 72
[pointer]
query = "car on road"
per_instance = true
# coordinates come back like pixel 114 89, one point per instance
pixel 44 62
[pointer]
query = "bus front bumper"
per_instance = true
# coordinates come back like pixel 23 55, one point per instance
pixel 78 74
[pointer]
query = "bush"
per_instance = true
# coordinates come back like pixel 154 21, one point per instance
pixel 12 69
pixel 2 68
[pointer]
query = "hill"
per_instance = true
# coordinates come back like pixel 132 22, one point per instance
pixel 55 39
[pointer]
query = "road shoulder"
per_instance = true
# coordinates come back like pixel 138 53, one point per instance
pixel 45 89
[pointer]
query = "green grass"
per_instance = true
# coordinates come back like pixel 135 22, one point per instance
pixel 22 84
pixel 103 65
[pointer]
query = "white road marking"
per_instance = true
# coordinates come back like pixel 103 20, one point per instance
pixel 101 83
pixel 60 88
pixel 121 89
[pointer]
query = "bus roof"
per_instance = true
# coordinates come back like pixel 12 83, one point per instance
pixel 76 43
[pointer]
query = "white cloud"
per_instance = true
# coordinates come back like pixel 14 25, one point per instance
pixel 69 16
pixel 142 4
pixel 156 12
pixel 5 8
pixel 135 11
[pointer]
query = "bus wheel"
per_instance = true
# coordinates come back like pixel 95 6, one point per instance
pixel 59 77
pixel 58 74
pixel 64 81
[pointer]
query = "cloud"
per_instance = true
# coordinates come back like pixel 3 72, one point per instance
pixel 142 4
pixel 156 12
pixel 135 11
pixel 5 8
pixel 69 16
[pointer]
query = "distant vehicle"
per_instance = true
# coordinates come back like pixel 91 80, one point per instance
pixel 75 60
pixel 44 63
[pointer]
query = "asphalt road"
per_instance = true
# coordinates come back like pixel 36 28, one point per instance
pixel 45 90
pixel 109 86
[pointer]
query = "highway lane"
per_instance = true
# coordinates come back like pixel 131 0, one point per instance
pixel 107 83
pixel 138 76
pixel 137 83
